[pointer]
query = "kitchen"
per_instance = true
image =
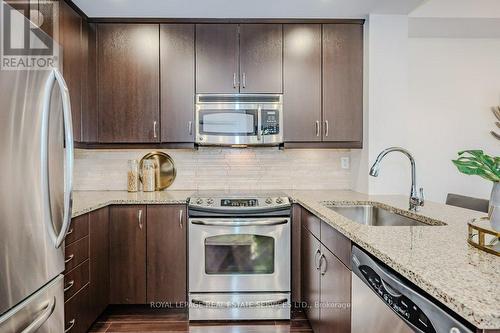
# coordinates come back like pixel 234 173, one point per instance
pixel 224 167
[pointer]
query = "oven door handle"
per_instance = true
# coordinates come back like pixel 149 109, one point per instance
pixel 243 223
pixel 212 304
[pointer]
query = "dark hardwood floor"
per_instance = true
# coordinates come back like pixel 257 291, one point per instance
pixel 134 318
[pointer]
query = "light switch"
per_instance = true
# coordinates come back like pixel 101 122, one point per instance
pixel 344 162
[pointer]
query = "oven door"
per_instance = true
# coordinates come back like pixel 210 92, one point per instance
pixel 239 255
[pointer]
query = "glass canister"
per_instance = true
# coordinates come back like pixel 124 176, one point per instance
pixel 133 176
pixel 148 176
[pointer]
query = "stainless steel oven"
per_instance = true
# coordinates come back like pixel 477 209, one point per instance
pixel 239 119
pixel 239 258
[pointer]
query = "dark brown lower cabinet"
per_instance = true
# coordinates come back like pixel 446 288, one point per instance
pixel 127 254
pixel 166 254
pixel 335 310
pixel 311 251
pixel 99 261
pixel 326 283
pixel 76 315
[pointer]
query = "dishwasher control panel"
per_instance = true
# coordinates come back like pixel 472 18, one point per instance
pixel 400 304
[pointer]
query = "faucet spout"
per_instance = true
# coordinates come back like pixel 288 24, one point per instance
pixel 416 198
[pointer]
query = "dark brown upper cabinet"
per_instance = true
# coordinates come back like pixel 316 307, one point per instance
pixel 343 82
pixel 232 58
pixel 217 60
pixel 72 61
pixel 177 67
pixel 128 83
pixel 261 56
pixel 302 82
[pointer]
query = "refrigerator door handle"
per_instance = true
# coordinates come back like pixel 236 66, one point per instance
pixel 55 76
pixel 42 318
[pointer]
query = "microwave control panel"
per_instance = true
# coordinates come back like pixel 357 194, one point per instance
pixel 270 122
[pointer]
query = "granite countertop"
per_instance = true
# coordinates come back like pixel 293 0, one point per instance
pixel 435 258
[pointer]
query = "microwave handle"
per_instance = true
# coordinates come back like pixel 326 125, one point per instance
pixel 259 123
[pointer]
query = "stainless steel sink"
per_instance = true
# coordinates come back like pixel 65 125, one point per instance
pixel 376 216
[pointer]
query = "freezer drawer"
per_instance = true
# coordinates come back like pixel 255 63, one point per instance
pixel 43 312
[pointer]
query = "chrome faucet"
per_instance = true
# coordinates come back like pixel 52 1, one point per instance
pixel 416 199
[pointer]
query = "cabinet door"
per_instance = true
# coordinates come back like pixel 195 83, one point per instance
pixel 310 248
pixel 177 82
pixel 127 254
pixel 166 248
pixel 335 295
pixel 216 58
pixel 99 261
pixel 128 83
pixel 343 82
pixel 302 82
pixel 261 55
pixel 70 36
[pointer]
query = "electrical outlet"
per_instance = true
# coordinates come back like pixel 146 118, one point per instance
pixel 344 162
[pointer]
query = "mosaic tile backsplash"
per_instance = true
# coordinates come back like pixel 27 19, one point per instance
pixel 221 169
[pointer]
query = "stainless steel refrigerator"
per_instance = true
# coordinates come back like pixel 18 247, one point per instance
pixel 36 164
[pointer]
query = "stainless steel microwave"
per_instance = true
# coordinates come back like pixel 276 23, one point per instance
pixel 239 119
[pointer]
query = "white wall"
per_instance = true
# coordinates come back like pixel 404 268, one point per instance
pixel 433 97
pixel 453 83
pixel 386 105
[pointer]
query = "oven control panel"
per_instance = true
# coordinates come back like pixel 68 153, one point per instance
pixel 239 202
pixel 265 202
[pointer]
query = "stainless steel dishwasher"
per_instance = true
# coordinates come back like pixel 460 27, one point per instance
pixel 383 302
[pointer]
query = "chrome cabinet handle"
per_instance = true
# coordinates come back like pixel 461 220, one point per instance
pixel 234 81
pixel 259 123
pixel 155 134
pixel 244 80
pixel 47 311
pixel 326 128
pixel 70 231
pixel 323 271
pixel 69 285
pixel 139 218
pixel 180 218
pixel 69 258
pixel 190 127
pixel 71 323
pixel 317 127
pixel 316 261
pixel 55 76
pixel 213 304
pixel 245 223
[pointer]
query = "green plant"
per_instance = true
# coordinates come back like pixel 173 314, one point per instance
pixel 476 162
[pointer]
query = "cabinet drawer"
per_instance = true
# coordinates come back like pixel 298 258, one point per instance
pixel 337 243
pixel 76 253
pixel 311 223
pixel 76 318
pixel 79 228
pixel 76 279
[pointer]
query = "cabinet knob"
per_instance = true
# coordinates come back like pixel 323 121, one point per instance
pixel 326 128
pixel 317 127
pixel 155 134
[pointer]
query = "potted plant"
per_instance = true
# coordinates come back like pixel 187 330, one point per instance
pixel 476 162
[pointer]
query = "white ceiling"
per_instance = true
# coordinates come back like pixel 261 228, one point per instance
pixel 458 9
pixel 245 8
